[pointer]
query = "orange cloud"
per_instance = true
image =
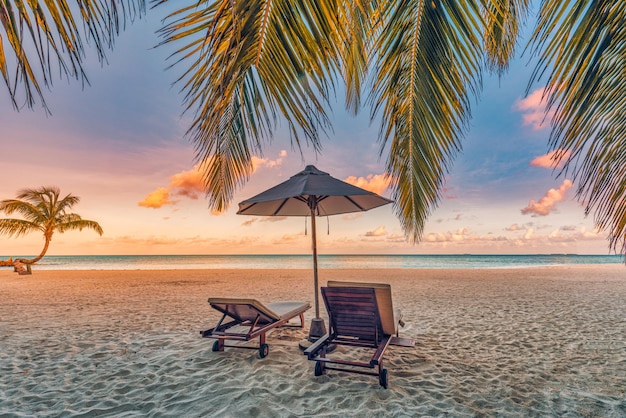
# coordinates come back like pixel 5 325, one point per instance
pixel 273 218
pixel 551 159
pixel 533 108
pixel 547 204
pixel 189 183
pixel 287 238
pixel 376 183
pixel 186 183
pixel 378 232
pixel 157 198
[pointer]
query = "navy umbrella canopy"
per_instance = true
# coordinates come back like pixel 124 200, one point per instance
pixel 311 189
pixel 311 192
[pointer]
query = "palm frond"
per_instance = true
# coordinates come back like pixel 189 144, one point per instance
pixel 73 222
pixel 25 209
pixel 429 66
pixel 45 202
pixel 503 20
pixel 17 227
pixel 247 64
pixel 45 37
pixel 358 24
pixel 582 49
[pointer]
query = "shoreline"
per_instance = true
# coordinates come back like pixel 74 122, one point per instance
pixel 542 341
pixel 325 261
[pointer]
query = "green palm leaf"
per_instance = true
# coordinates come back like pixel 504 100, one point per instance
pixel 429 63
pixel 17 227
pixel 582 50
pixel 37 39
pixel 247 63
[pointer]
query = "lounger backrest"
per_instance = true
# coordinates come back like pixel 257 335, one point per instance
pixel 383 299
pixel 244 309
pixel 352 312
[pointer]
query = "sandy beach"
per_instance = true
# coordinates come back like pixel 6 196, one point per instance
pixel 539 342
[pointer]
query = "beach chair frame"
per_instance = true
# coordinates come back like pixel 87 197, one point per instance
pixel 248 328
pixel 354 320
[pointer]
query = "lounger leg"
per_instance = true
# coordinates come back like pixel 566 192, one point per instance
pixel 382 375
pixel 264 349
pixel 218 345
pixel 302 320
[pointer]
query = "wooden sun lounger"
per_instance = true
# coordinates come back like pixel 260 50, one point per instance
pixel 249 319
pixel 359 315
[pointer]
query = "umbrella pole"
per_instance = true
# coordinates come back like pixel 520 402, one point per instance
pixel 318 328
pixel 315 280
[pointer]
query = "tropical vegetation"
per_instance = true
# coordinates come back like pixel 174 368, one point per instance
pixel 417 65
pixel 42 210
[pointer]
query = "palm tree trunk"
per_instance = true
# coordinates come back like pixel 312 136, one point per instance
pixel 43 252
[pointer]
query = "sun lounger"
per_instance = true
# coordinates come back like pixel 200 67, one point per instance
pixel 249 319
pixel 359 315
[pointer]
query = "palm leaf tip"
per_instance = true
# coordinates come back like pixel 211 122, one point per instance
pixel 39 35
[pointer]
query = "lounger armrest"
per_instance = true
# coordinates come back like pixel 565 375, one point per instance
pixel 380 351
pixel 312 351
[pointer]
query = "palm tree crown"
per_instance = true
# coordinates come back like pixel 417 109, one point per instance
pixel 247 63
pixel 43 210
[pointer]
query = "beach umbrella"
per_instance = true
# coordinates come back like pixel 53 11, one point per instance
pixel 313 193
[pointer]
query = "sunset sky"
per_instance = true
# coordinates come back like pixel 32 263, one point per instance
pixel 119 145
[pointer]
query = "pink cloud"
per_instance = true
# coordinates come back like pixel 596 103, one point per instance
pixel 396 238
pixel 551 159
pixel 461 234
pixel 515 227
pixel 352 216
pixel 376 183
pixel 264 162
pixel 447 192
pixel 533 108
pixel 249 222
pixel 547 204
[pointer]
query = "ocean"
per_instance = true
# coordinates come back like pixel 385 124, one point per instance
pixel 167 262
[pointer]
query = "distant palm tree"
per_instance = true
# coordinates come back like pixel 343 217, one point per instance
pixel 250 62
pixel 42 210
